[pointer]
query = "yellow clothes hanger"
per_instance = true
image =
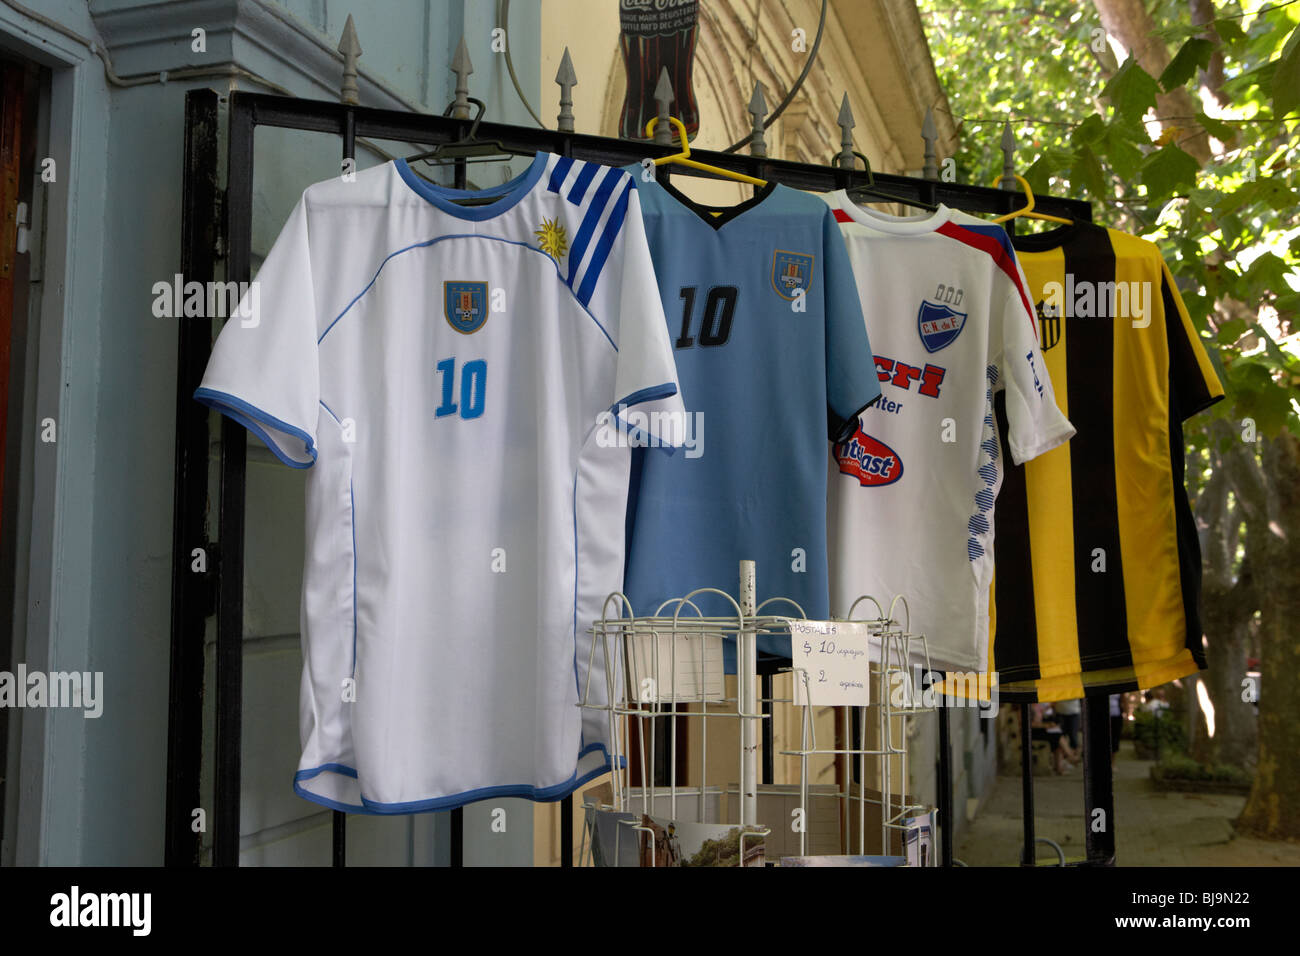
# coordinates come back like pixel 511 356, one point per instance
pixel 683 158
pixel 1028 211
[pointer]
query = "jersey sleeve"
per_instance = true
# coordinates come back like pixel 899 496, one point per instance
pixel 646 391
pixel 851 380
pixel 1034 422
pixel 263 371
pixel 1192 378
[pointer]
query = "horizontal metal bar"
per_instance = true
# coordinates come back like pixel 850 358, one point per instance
pixel 327 117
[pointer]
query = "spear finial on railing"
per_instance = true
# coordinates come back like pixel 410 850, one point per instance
pixel 846 123
pixel 663 99
pixel 568 79
pixel 930 169
pixel 1008 158
pixel 757 113
pixel 462 67
pixel 350 47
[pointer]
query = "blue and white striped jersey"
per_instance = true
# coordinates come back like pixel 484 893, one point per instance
pixel 447 374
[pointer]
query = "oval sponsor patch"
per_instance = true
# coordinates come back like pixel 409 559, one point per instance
pixel 869 460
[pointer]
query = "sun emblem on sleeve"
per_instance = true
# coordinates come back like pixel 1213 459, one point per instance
pixel 552 239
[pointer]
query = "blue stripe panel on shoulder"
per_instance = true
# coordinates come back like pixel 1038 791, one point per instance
pixel 583 180
pixel 603 246
pixel 993 231
pixel 589 221
pixel 559 172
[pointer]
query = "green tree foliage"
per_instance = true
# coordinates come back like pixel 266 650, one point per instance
pixel 1229 228
pixel 1090 122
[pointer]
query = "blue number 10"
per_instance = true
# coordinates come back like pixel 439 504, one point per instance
pixel 473 388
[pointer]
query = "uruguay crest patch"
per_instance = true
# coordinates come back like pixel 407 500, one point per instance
pixel 791 273
pixel 939 325
pixel 465 304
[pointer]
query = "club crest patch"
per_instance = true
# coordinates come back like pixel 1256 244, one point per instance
pixel 791 273
pixel 1049 325
pixel 939 325
pixel 465 304
pixel 869 460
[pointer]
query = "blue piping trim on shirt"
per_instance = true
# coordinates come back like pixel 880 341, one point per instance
pixel 648 394
pixel 326 768
pixel 577 683
pixel 540 794
pixel 654 392
pixel 466 235
pixel 331 413
pixel 253 418
pixel 352 510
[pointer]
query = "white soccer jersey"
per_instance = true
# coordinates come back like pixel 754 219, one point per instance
pixel 911 495
pixel 443 371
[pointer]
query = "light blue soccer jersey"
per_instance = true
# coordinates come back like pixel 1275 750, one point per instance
pixel 773 360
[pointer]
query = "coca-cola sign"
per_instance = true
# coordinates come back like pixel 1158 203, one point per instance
pixel 656 34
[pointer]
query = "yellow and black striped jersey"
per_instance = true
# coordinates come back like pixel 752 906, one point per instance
pixel 1097 563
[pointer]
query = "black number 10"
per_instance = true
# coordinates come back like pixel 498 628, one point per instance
pixel 719 307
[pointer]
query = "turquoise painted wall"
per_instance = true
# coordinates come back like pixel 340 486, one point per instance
pixel 112 504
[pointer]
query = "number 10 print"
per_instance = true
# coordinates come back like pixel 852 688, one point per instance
pixel 473 388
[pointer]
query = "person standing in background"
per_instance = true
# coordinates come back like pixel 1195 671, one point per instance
pixel 1116 727
pixel 1067 711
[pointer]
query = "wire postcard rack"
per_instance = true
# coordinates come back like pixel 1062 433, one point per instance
pixel 893 655
pixel 659 810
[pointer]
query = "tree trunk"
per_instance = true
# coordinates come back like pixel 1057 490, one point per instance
pixel 1228 596
pixel 1213 77
pixel 1130 23
pixel 1235 736
pixel 1273 808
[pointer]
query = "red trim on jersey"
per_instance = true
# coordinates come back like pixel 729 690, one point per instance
pixel 1004 262
pixel 842 216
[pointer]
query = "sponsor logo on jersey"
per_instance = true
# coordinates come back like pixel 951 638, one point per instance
pixel 938 324
pixel 1049 325
pixel 901 375
pixel 869 460
pixel 465 304
pixel 791 273
pixel 1038 384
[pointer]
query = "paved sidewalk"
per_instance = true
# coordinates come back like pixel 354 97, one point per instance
pixel 1152 828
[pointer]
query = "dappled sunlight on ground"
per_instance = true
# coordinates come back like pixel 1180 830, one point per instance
pixel 1152 828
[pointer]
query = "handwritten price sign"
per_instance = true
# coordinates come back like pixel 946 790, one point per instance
pixel 832 663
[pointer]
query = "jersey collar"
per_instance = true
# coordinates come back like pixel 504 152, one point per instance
pixel 884 222
pixel 725 213
pixel 1051 239
pixel 442 196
